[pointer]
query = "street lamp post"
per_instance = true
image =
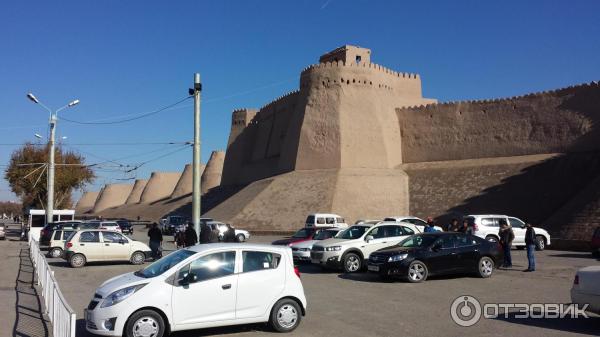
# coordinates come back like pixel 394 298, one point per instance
pixel 53 118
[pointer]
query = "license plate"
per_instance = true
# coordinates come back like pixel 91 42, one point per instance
pixel 373 268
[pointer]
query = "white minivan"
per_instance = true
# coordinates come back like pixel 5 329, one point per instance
pixel 201 286
pixel 325 220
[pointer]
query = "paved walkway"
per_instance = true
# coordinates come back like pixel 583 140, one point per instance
pixel 21 312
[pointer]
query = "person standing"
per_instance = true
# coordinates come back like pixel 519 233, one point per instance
pixel 214 234
pixel 156 239
pixel 204 232
pixel 530 243
pixel 229 235
pixel 430 227
pixel 507 236
pixel 191 238
pixel 453 226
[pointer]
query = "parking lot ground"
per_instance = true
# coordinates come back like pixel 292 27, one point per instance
pixel 361 305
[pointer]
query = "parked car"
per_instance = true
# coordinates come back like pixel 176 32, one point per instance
pixel 240 234
pixel 420 223
pixel 49 228
pixel 353 246
pixel 125 226
pixel 199 287
pixel 57 242
pixel 2 232
pixel 586 288
pixel 303 234
pixel 170 224
pixel 301 249
pixel 487 227
pixel 92 245
pixel 436 253
pixel 596 243
pixel 325 220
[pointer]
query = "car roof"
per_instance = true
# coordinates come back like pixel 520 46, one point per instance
pixel 402 217
pixel 247 246
pixel 325 214
pixel 488 215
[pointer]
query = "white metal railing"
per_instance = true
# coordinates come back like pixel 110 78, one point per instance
pixel 61 315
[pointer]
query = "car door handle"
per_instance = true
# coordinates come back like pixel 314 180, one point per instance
pixel 226 286
pixel 82 244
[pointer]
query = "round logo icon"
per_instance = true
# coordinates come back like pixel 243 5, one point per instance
pixel 465 310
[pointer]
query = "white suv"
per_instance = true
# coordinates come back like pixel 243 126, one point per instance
pixel 352 247
pixel 487 226
pixel 92 245
pixel 200 287
pixel 420 223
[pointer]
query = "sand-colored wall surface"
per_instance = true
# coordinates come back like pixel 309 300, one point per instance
pixel 159 186
pixel 112 195
pixel 184 185
pixel 211 177
pixel 86 202
pixel 136 191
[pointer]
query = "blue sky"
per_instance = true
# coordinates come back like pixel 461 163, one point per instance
pixel 129 57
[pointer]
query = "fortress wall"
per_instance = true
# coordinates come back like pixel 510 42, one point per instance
pixel 136 193
pixel 112 195
pixel 240 118
pixel 530 187
pixel 564 120
pixel 86 202
pixel 184 185
pixel 211 177
pixel 159 186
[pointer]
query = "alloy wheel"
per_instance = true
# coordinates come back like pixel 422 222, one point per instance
pixel 352 263
pixel 486 267
pixel 416 272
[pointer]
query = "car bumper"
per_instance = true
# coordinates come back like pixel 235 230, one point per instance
pixel 593 301
pixel 2 234
pixel 105 321
pixel 399 269
pixel 326 259
pixel 301 255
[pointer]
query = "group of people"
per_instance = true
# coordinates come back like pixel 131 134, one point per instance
pixel 186 236
pixel 505 234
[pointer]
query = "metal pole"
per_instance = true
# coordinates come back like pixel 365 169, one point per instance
pixel 50 196
pixel 196 192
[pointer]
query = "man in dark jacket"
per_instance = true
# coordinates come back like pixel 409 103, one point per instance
pixel 530 243
pixel 229 234
pixel 191 238
pixel 156 239
pixel 204 232
pixel 507 236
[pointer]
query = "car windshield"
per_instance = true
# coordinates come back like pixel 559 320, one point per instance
pixel 302 234
pixel 324 234
pixel 164 264
pixel 418 241
pixel 353 232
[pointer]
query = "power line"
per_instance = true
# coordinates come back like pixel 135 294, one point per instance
pixel 128 119
pixel 103 144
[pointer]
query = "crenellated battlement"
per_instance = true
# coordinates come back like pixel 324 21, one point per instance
pixel 280 98
pixel 353 65
pixel 505 99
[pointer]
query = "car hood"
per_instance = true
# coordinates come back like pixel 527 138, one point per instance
pixel 337 242
pixel 285 242
pixel 304 244
pixel 119 282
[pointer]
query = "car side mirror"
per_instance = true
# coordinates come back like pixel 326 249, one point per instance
pixel 187 279
pixel 369 238
pixel 122 241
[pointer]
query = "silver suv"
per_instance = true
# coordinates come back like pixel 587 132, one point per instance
pixel 352 246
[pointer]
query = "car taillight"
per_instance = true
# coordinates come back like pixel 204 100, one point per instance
pixel 297 271
pixel 576 280
pixel 69 245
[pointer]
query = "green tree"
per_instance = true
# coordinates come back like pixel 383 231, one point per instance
pixel 27 175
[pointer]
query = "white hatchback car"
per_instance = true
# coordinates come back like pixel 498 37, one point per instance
pixel 200 287
pixel 586 288
pixel 93 245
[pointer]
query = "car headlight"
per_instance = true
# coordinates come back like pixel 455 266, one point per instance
pixel 333 248
pixel 120 295
pixel 397 258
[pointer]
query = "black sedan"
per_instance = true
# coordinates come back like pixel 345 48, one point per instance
pixel 422 255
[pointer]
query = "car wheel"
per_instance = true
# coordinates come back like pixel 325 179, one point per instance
pixel 540 243
pixel 240 237
pixel 145 323
pixel 55 252
pixel 417 272
pixel 77 260
pixel 352 263
pixel 491 238
pixel 485 267
pixel 137 258
pixel 285 316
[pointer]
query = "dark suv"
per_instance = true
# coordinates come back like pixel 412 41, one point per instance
pixel 125 225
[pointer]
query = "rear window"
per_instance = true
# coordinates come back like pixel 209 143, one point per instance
pixel 254 261
pixel 310 219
